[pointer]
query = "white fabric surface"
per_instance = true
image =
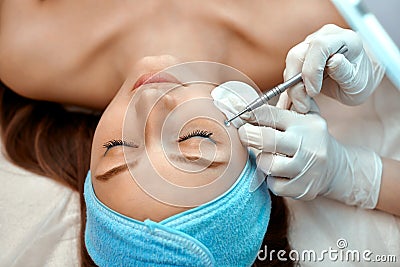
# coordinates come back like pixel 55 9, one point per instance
pixel 39 220
pixel 318 224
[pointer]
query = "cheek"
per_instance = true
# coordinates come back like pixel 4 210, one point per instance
pixel 235 143
pixel 123 195
pixel 190 168
pixel 199 147
pixel 198 161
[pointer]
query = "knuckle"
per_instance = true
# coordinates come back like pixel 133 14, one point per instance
pixel 356 39
pixel 329 27
pixel 319 42
pixel 296 53
pixel 352 34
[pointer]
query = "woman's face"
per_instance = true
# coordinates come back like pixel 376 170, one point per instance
pixel 160 134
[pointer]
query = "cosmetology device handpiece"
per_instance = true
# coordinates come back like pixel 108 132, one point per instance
pixel 277 90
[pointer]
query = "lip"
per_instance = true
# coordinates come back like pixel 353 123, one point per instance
pixel 155 77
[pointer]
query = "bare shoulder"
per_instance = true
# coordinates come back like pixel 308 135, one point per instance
pixel 46 49
pixel 289 21
pixel 17 28
pixel 277 26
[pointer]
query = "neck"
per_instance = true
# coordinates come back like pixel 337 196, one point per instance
pixel 157 34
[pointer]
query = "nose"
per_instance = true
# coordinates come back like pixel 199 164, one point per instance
pixel 147 111
pixel 152 107
pixel 153 100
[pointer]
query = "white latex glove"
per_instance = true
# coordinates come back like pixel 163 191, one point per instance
pixel 308 161
pixel 353 76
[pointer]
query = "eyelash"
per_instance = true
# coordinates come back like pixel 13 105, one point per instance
pixel 114 142
pixel 200 133
pixel 119 142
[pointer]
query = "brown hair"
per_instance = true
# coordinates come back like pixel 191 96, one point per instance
pixel 44 138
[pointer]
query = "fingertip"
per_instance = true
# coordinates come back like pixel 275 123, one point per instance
pixel 242 131
pixel 264 162
pixel 276 185
pixel 238 122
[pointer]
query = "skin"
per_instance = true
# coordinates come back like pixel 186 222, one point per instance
pixel 146 109
pixel 59 51
pixel 81 52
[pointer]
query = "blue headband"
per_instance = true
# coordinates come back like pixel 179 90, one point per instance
pixel 227 231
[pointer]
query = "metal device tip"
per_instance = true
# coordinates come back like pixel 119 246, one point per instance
pixel 228 122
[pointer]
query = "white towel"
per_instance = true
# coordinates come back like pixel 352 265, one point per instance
pixel 39 220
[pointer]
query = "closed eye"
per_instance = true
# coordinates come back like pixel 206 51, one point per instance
pixel 115 142
pixel 196 133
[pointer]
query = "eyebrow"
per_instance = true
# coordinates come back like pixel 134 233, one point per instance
pixel 112 172
pixel 124 167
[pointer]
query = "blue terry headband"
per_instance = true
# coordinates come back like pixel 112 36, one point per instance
pixel 227 231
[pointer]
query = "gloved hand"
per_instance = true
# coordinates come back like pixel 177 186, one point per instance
pixel 300 155
pixel 352 76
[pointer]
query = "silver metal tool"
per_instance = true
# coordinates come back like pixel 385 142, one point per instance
pixel 277 90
